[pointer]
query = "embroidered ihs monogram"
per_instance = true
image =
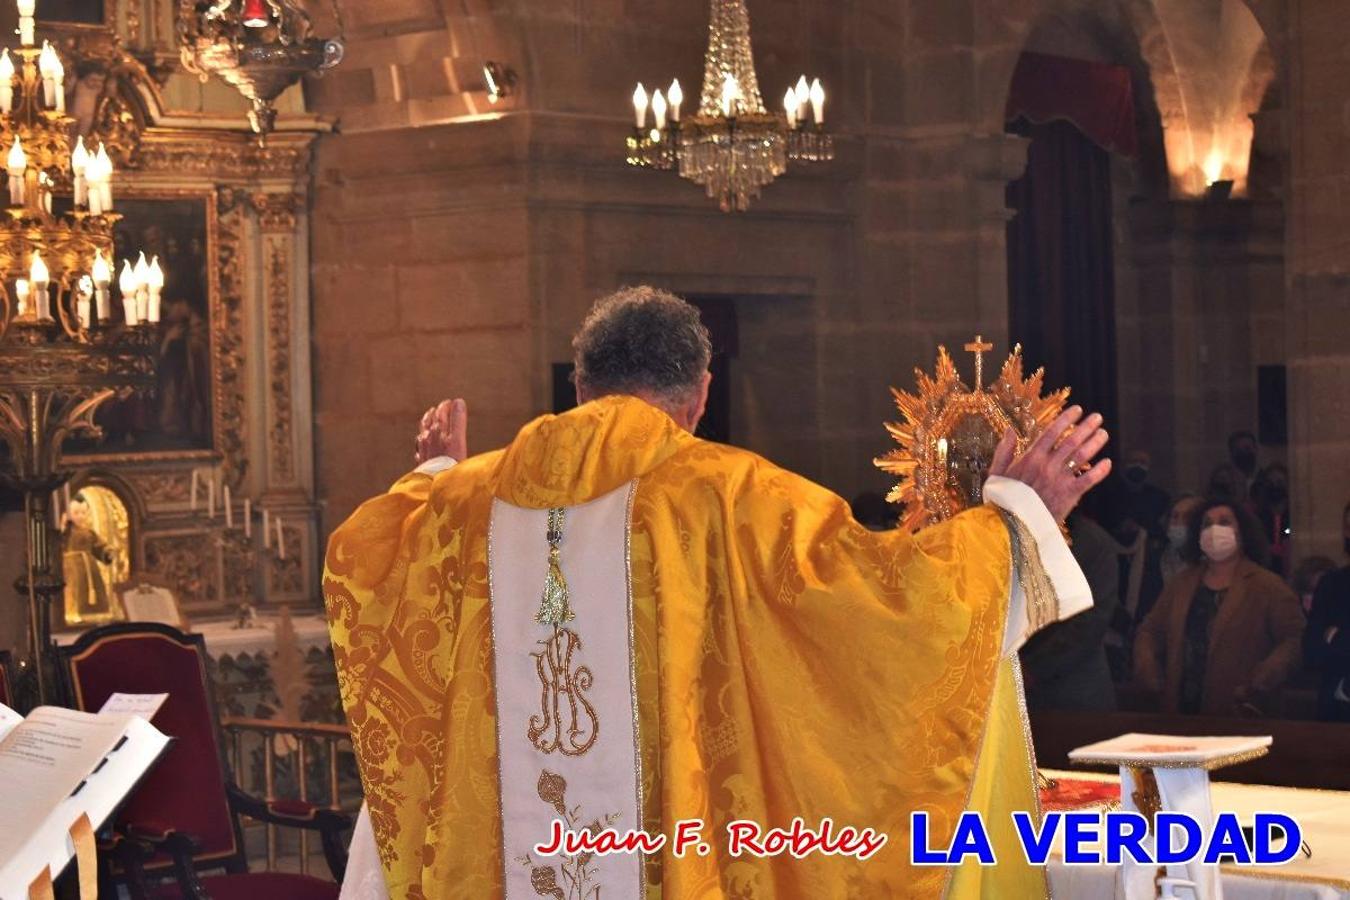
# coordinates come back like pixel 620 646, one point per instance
pixel 566 721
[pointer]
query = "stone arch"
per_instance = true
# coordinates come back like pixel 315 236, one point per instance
pixel 1203 95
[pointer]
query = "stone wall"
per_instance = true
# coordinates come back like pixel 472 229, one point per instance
pixel 458 242
pixel 1317 335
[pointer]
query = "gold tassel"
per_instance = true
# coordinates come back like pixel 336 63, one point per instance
pixel 554 608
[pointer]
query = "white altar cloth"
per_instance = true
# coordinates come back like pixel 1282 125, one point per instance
pixel 1323 815
pixel 223 639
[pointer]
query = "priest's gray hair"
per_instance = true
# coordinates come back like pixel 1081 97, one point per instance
pixel 641 340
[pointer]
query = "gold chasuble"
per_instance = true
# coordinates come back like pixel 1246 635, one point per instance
pixel 785 663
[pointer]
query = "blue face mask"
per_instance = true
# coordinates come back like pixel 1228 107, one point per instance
pixel 1176 536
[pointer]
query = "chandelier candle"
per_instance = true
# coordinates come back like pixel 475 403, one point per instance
pixel 6 83
pixel 21 291
pixel 102 277
pixel 126 282
pixel 27 27
pixel 16 165
pixel 142 275
pixel 40 278
pixel 154 283
pixel 53 75
pixel 79 161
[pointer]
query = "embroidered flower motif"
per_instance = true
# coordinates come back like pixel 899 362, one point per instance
pixel 552 788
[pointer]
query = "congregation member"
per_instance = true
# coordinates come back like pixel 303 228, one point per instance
pixel 1224 636
pixel 1064 666
pixel 1326 645
pixel 1270 497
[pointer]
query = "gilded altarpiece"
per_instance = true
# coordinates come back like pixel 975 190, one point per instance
pixel 253 326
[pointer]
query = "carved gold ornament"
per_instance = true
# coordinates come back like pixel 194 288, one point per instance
pixel 949 433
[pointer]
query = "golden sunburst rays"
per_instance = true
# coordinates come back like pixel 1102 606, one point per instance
pixel 948 432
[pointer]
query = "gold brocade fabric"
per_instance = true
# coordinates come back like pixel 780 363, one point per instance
pixel 789 662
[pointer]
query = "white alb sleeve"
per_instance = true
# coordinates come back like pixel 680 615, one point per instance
pixel 1049 552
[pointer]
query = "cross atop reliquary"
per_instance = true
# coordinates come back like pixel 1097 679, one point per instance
pixel 979 347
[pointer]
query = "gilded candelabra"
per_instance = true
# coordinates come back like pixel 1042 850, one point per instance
pixel 63 351
pixel 260 47
pixel 732 146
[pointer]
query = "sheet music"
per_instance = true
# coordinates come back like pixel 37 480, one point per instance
pixel 8 719
pixel 143 705
pixel 49 756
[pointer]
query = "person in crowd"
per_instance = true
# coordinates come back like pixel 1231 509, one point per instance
pixel 1064 666
pixel 1326 644
pixel 1270 496
pixel 1224 635
pixel 1135 503
pixel 1307 575
pixel 1242 448
pixel 1228 483
pixel 1164 560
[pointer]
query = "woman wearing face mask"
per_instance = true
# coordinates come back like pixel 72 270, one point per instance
pixel 1225 634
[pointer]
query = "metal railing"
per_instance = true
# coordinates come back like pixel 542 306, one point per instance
pixel 280 740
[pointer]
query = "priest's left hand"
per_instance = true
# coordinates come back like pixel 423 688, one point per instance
pixel 1058 465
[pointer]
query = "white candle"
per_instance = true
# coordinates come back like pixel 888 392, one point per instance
pixel 267 529
pixel 21 289
pixel 676 96
pixel 659 109
pixel 281 540
pixel 790 107
pixel 86 295
pixel 40 278
pixel 102 274
pixel 127 283
pixel 640 106
pixel 729 91
pixel 248 517
pixel 79 161
pixel 6 82
pixel 142 275
pixel 16 165
pixel 818 102
pixel 47 64
pixel 229 509
pixel 105 174
pixel 196 479
pixel 26 24
pixel 803 91
pixel 155 284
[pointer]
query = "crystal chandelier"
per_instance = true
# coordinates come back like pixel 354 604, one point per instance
pixel 261 47
pixel 732 146
pixel 63 348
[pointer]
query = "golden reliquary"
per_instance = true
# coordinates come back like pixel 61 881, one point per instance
pixel 949 433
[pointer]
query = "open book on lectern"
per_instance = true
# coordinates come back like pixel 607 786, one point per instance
pixel 58 766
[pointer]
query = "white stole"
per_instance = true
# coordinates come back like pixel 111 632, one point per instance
pixel 566 697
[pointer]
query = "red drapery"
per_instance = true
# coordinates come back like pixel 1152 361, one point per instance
pixel 1096 97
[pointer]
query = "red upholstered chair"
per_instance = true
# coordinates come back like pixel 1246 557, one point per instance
pixel 6 679
pixel 186 813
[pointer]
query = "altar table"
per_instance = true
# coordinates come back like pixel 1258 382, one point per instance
pixel 1323 815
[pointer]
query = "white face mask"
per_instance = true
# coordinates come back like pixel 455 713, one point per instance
pixel 1219 542
pixel 1176 536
